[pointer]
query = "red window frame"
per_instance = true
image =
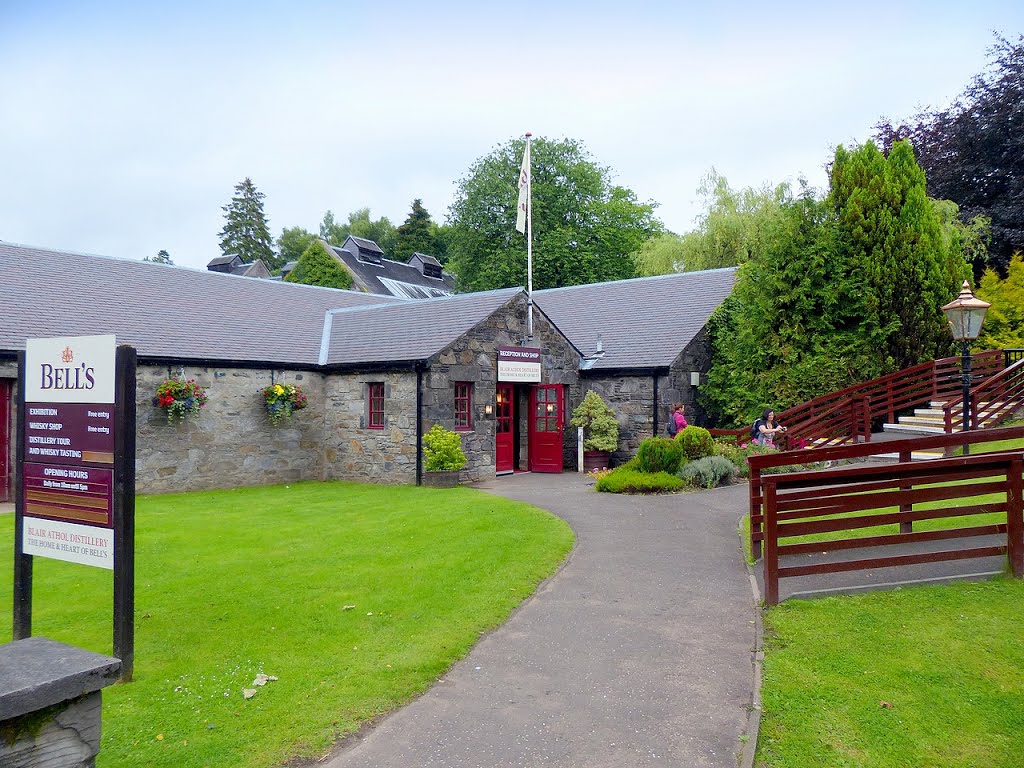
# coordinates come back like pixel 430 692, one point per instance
pixel 375 405
pixel 463 405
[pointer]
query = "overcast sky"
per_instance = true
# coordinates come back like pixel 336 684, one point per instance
pixel 124 127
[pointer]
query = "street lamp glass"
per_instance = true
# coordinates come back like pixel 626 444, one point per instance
pixel 965 314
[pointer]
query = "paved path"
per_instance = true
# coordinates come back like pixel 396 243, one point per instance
pixel 637 653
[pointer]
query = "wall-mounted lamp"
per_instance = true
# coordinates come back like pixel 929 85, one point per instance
pixel 488 409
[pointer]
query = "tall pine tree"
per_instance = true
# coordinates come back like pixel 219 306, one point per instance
pixel 245 232
pixel 416 234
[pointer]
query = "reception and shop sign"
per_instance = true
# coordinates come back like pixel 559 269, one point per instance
pixel 519 364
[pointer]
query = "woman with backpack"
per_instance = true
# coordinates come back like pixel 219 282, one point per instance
pixel 766 428
pixel 677 421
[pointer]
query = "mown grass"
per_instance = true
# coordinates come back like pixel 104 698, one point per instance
pixel 929 676
pixel 356 597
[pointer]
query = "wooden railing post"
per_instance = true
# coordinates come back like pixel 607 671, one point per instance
pixel 755 509
pixel 771 546
pixel 906 527
pixel 1015 518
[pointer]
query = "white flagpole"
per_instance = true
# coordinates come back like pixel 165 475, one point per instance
pixel 529 242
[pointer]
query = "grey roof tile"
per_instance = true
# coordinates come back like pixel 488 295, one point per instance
pixel 412 330
pixel 370 274
pixel 163 311
pixel 644 323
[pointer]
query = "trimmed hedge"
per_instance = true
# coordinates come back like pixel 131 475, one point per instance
pixel 659 454
pixel 696 443
pixel 630 481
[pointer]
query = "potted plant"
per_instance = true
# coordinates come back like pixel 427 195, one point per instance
pixel 282 400
pixel 180 398
pixel 600 431
pixel 444 458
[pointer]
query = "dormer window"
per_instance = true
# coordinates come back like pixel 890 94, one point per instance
pixel 432 270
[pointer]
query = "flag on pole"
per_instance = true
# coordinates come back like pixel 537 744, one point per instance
pixel 524 191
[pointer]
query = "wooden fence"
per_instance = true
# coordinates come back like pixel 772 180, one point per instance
pixel 851 498
pixel 903 448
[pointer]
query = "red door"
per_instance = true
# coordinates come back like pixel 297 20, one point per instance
pixel 546 428
pixel 5 439
pixel 504 423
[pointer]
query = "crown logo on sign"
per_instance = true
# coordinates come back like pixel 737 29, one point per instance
pixel 67 355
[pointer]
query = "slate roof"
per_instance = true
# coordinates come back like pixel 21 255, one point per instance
pixel 163 311
pixel 409 331
pixel 644 323
pixel 404 280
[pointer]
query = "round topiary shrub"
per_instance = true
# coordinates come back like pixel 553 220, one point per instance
pixel 708 472
pixel 659 454
pixel 696 442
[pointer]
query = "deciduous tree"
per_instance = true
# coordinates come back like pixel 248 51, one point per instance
pixel 973 150
pixel 293 242
pixel 381 231
pixel 585 228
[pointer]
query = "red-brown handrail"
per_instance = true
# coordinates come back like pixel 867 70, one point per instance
pixel 998 396
pixel 887 395
pixel 758 463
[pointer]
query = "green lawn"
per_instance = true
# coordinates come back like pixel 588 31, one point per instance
pixel 949 660
pixel 356 597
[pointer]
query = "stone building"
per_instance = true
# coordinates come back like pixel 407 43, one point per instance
pixel 378 371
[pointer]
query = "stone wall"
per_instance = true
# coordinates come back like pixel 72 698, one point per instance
pixel 351 450
pixel 632 397
pixel 474 358
pixel 232 441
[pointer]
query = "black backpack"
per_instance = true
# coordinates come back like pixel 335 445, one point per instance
pixel 670 428
pixel 755 431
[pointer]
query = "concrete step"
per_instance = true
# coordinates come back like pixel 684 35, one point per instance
pixel 914 456
pixel 913 429
pixel 935 413
pixel 923 421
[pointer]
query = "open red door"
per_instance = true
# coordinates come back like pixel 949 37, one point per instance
pixel 504 423
pixel 546 420
pixel 5 439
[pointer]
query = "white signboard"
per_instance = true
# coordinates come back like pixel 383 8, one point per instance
pixel 70 369
pixel 61 540
pixel 519 364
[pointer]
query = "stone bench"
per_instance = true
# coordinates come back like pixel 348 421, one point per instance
pixel 50 703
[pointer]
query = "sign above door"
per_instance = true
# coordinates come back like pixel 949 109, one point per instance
pixel 519 364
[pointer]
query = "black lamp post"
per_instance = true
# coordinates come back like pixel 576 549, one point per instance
pixel 965 315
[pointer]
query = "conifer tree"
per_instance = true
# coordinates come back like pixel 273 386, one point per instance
pixel 318 267
pixel 416 234
pixel 245 232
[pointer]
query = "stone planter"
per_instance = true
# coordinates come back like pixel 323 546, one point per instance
pixel 441 479
pixel 593 460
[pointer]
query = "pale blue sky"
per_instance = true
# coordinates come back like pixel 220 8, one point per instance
pixel 124 126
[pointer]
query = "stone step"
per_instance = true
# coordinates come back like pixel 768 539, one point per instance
pixel 914 456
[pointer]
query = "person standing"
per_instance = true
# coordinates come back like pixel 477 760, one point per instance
pixel 677 421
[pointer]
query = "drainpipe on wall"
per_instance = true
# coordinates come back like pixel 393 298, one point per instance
pixel 655 379
pixel 419 424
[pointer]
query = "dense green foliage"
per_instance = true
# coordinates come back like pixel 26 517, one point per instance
pixel 836 291
pixel 911 677
pixel 585 228
pixel 442 450
pixel 658 454
pixel 728 230
pixel 245 233
pixel 293 242
pixel 381 231
pixel 318 267
pixel 708 472
pixel 973 151
pixel 696 442
pixel 236 582
pixel 600 427
pixel 625 480
pixel 1004 323
pixel 418 234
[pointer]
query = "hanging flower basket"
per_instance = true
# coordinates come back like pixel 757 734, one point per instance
pixel 180 398
pixel 282 400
